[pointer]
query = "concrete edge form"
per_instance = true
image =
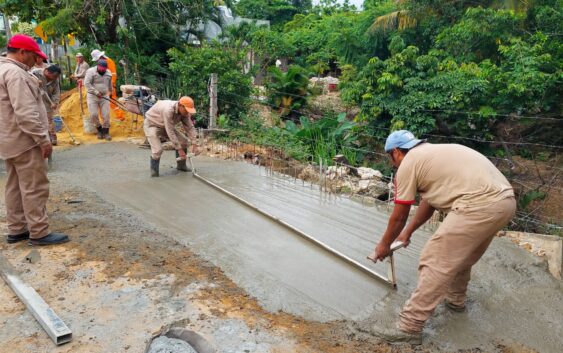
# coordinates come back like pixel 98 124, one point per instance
pixel 49 320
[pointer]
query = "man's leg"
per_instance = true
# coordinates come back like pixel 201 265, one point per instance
pixel 93 106
pixel 104 109
pixel 52 131
pixel 182 164
pixel 15 216
pixel 456 246
pixel 457 290
pixel 34 189
pixel 152 134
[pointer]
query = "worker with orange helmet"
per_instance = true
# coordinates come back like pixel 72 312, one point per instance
pixel 160 122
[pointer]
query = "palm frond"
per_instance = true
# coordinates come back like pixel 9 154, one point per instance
pixel 397 20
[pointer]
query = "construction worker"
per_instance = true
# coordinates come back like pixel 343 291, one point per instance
pixel 160 122
pixel 478 200
pixel 98 87
pixel 80 70
pixel 40 63
pixel 51 91
pixel 99 55
pixel 24 145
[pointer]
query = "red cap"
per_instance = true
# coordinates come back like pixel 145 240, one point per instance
pixel 21 41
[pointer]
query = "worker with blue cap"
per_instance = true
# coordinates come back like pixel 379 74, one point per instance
pixel 478 201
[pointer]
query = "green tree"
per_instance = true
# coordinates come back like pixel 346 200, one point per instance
pixel 192 66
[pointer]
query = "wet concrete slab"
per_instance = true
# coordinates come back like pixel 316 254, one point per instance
pixel 512 297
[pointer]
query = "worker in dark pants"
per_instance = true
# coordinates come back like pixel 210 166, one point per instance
pixel 478 200
pixel 160 122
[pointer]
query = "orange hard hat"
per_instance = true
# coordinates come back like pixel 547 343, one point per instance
pixel 188 103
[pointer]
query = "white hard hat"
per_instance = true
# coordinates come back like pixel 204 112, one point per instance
pixel 79 55
pixel 96 54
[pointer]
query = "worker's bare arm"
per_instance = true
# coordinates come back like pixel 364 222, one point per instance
pixel 396 224
pixel 422 215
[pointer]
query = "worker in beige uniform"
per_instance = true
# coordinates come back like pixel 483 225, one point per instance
pixel 24 145
pixel 80 70
pixel 478 200
pixel 40 63
pixel 51 92
pixel 98 87
pixel 160 122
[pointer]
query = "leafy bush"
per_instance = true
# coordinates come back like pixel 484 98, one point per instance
pixel 326 137
pixel 288 91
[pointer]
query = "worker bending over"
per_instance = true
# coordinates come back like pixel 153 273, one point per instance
pixel 478 200
pixel 160 122
pixel 98 88
pixel 51 93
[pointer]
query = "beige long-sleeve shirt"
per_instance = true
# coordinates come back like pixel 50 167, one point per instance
pixel 23 118
pixel 97 84
pixel 80 70
pixel 164 114
pixel 50 89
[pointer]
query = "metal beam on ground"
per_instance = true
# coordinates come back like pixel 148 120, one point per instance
pixel 49 320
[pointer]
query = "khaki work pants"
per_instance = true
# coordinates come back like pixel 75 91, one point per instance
pixel 27 191
pixel 446 260
pixel 101 104
pixel 52 131
pixel 154 134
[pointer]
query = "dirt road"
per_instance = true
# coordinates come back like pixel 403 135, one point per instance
pixel 147 253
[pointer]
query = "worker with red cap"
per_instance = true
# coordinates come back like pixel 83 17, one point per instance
pixel 24 145
pixel 98 87
pixel 160 122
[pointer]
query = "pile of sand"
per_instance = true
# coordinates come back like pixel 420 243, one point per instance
pixel 69 110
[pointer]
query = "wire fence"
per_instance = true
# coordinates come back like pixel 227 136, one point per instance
pixel 339 177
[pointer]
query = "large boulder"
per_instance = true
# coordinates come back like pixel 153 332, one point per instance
pixel 369 173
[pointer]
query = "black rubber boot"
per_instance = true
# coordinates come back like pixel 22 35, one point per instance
pixel 100 133
pixel 17 237
pixel 106 134
pixel 50 239
pixel 155 165
pixel 181 164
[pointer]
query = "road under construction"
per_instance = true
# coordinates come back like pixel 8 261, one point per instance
pixel 512 297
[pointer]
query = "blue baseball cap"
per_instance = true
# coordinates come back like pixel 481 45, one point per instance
pixel 401 139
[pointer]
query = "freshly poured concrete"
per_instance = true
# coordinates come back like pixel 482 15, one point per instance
pixel 512 297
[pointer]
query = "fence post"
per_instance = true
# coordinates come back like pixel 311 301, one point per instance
pixel 213 101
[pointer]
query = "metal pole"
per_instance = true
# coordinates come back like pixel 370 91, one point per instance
pixel 7 26
pixel 213 101
pixel 49 320
pixel 320 174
